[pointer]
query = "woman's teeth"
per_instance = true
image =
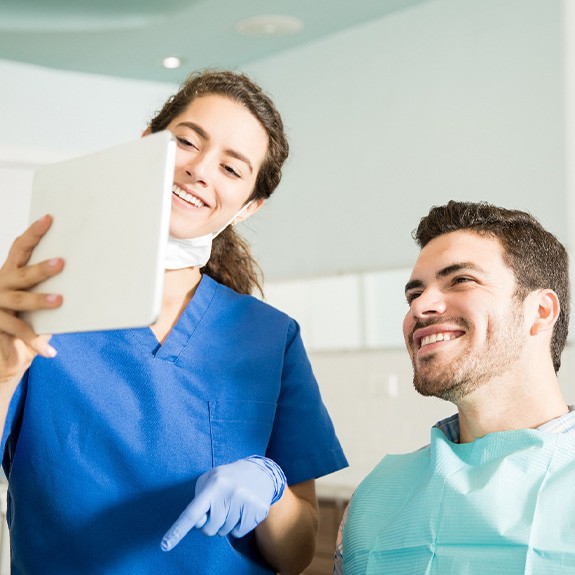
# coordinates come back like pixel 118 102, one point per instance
pixel 436 337
pixel 187 197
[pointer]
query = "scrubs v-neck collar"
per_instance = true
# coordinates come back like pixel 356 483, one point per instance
pixel 184 329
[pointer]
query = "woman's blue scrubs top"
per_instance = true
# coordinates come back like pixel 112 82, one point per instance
pixel 103 444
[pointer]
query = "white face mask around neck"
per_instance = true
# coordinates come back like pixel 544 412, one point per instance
pixel 193 252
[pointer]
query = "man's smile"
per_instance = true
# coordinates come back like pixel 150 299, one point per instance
pixel 423 337
pixel 437 337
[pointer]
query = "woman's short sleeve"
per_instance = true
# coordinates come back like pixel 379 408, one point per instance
pixel 303 440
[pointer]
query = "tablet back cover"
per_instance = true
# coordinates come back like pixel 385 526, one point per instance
pixel 111 213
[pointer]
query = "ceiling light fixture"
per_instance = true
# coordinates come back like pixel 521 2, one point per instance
pixel 269 26
pixel 171 62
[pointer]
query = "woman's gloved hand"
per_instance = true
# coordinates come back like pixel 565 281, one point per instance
pixel 232 498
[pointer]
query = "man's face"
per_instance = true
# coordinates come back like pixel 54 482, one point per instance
pixel 465 326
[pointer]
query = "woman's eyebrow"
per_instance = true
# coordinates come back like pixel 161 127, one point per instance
pixel 196 128
pixel 238 156
pixel 206 137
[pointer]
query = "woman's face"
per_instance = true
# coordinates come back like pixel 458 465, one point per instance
pixel 220 149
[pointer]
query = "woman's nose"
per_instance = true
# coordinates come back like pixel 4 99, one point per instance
pixel 198 169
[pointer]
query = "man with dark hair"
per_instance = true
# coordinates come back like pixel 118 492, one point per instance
pixel 493 492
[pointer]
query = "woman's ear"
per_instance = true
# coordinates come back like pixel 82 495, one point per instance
pixel 249 211
pixel 548 309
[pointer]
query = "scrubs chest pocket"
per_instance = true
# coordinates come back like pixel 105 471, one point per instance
pixel 239 429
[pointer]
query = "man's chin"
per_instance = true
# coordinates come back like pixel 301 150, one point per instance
pixel 443 389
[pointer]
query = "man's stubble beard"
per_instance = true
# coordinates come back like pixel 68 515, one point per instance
pixel 472 368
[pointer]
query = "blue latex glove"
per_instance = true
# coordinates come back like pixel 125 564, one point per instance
pixel 232 498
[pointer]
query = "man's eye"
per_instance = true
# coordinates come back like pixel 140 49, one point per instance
pixel 411 296
pixel 462 279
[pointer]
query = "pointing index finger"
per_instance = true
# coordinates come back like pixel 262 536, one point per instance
pixel 194 515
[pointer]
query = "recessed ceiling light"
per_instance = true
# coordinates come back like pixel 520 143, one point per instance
pixel 171 62
pixel 269 26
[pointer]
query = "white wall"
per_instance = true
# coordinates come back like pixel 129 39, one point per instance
pixel 45 109
pixel 450 99
pixel 458 99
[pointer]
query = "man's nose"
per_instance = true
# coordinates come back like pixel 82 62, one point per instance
pixel 429 302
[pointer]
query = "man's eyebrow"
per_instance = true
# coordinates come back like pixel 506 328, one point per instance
pixel 206 137
pixel 412 284
pixel 444 272
pixel 457 267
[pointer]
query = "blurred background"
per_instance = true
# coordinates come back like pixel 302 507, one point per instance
pixel 391 106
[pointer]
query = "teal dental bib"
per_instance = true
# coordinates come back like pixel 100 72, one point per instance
pixel 501 505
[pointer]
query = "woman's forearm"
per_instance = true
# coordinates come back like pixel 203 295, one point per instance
pixel 286 539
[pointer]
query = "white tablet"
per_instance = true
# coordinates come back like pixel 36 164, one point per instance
pixel 111 213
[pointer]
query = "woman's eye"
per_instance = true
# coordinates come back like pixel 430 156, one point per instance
pixel 232 171
pixel 186 143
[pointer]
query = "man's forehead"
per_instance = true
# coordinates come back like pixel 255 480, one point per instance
pixel 456 249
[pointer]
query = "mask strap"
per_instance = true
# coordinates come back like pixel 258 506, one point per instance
pixel 233 218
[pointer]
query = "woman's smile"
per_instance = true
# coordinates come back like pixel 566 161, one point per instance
pixel 188 197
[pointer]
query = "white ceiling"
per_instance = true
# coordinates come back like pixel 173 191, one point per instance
pixel 130 38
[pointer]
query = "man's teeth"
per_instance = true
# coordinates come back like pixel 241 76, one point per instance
pixel 187 197
pixel 436 337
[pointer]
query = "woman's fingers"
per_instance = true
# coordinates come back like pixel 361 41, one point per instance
pixel 28 276
pixel 24 244
pixel 18 341
pixel 28 301
pixel 11 325
pixel 16 277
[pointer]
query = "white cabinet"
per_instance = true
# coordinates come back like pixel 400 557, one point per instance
pixel 327 309
pixel 345 312
pixel 385 307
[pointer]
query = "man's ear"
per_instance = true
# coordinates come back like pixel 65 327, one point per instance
pixel 146 132
pixel 249 211
pixel 548 309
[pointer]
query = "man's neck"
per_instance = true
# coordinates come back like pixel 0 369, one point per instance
pixel 498 406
